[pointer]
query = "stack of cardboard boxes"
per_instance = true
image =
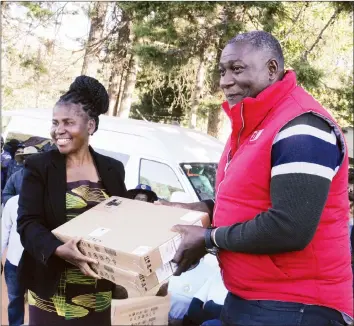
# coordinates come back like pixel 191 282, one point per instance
pixel 131 240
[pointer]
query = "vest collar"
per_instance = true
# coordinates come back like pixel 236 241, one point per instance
pixel 250 112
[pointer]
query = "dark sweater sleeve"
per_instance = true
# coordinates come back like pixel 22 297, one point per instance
pixel 305 158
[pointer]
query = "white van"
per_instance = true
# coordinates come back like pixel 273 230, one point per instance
pixel 179 164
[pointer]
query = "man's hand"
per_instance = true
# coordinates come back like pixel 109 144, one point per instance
pixel 71 253
pixel 191 249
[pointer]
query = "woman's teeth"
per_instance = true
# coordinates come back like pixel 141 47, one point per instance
pixel 63 141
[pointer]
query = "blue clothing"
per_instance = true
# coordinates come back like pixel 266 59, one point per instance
pixel 213 322
pixel 183 288
pixel 13 186
pixel 13 167
pixel 16 308
pixel 5 160
pixel 238 311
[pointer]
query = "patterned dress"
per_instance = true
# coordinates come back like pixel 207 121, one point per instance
pixel 79 300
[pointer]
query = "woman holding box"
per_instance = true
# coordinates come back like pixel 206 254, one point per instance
pixel 59 185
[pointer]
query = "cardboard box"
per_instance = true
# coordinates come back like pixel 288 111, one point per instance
pixel 141 311
pixel 136 235
pixel 136 284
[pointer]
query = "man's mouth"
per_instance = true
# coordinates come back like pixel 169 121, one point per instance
pixel 232 96
pixel 63 141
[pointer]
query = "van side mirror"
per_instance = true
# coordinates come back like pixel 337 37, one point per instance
pixel 181 197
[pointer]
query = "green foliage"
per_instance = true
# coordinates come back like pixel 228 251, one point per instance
pixel 170 39
pixel 307 76
pixel 34 63
pixel 36 10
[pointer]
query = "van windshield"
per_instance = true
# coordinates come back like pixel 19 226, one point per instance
pixel 202 177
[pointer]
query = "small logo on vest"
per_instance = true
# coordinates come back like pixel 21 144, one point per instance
pixel 256 135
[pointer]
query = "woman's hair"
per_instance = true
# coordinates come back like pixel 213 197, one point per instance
pixel 90 93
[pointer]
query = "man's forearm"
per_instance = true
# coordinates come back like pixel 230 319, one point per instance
pixel 288 226
pixel 298 190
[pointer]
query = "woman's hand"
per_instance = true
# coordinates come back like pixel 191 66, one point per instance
pixel 119 292
pixel 71 253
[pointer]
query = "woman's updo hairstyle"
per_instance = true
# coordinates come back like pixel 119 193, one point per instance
pixel 91 94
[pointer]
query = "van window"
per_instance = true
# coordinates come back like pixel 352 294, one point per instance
pixel 160 177
pixel 124 158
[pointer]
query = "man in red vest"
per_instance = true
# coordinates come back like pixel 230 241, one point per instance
pixel 281 211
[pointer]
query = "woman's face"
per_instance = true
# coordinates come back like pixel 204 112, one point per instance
pixel 71 127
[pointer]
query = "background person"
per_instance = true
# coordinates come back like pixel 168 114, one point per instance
pixel 16 164
pixel 5 160
pixel 14 183
pixel 143 193
pixel 206 305
pixel 10 240
pixel 58 185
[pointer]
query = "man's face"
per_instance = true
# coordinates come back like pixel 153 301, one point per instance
pixel 244 71
pixel 141 197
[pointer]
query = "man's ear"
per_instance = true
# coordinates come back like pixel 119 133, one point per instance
pixel 273 69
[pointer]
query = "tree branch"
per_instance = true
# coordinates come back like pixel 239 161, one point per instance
pixel 295 20
pixel 95 46
pixel 319 37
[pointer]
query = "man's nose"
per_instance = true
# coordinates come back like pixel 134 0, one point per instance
pixel 227 80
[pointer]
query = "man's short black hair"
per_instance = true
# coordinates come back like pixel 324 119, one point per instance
pixel 263 41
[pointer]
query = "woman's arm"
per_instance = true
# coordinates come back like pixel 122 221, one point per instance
pixel 36 238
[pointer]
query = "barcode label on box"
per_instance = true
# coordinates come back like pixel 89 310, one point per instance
pixel 177 241
pixel 99 232
pixel 167 251
pixel 164 272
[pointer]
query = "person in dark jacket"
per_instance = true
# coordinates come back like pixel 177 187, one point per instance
pixel 58 186
pixel 5 161
pixel 16 164
pixel 14 183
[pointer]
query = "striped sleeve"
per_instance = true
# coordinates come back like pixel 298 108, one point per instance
pixel 309 148
pixel 305 157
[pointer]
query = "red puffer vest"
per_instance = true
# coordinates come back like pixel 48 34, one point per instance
pixel 321 273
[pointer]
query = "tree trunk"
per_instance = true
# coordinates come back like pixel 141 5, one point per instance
pixel 120 93
pixel 215 121
pixel 129 87
pixel 197 92
pixel 119 62
pixel 90 65
pixel 113 89
pixel 215 117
